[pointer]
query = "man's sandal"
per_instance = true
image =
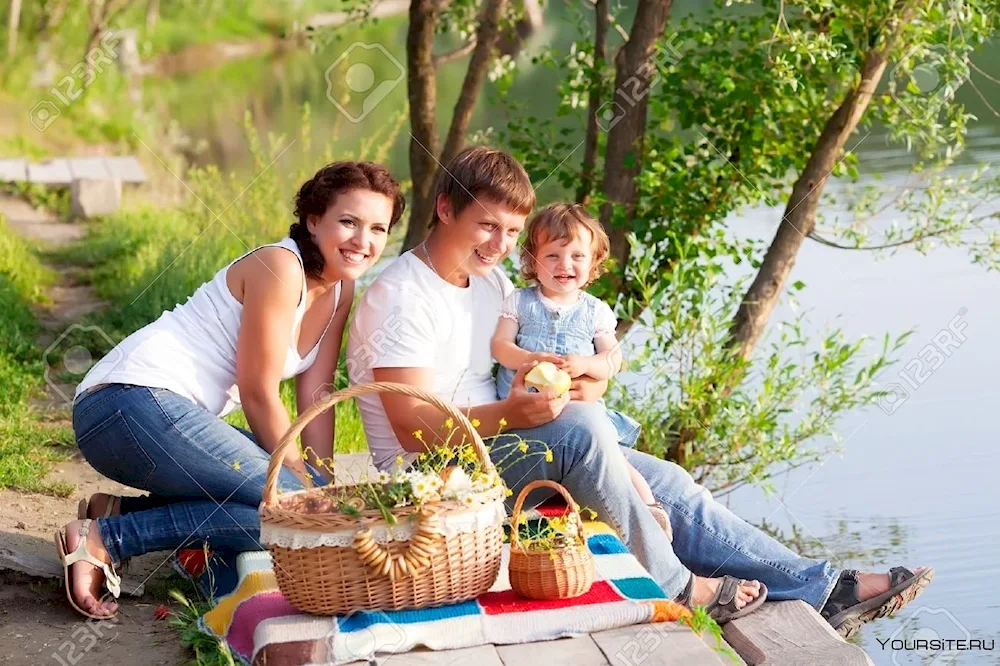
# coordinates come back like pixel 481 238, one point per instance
pixel 846 613
pixel 83 508
pixel 81 554
pixel 722 608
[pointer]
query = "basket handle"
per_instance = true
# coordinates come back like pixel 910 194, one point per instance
pixel 523 495
pixel 320 406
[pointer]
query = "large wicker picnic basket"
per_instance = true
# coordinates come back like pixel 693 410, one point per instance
pixel 327 562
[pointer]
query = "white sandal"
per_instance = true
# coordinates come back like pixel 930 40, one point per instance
pixel 81 554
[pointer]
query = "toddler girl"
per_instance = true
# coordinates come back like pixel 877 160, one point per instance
pixel 557 321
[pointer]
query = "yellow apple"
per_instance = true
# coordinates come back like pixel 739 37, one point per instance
pixel 547 377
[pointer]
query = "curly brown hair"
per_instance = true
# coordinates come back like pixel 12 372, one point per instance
pixel 562 222
pixel 320 192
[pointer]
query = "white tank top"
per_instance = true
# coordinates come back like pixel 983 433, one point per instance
pixel 191 350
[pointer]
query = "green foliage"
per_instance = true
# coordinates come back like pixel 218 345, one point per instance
pixel 738 100
pixel 28 446
pixel 792 392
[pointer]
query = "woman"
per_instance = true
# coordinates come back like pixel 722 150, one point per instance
pixel 148 415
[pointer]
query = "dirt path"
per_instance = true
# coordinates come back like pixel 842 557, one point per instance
pixel 37 626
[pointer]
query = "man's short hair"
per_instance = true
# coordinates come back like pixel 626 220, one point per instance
pixel 481 172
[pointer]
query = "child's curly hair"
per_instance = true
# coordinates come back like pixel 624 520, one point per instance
pixel 562 222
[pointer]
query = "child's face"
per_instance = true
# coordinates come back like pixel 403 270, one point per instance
pixel 563 266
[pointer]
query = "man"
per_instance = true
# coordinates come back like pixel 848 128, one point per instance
pixel 443 301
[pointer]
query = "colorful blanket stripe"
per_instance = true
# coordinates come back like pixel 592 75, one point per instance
pixel 260 626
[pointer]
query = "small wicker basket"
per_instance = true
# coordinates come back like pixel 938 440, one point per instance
pixel 327 562
pixel 560 573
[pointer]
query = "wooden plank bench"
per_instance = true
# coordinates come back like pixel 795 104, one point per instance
pixel 95 182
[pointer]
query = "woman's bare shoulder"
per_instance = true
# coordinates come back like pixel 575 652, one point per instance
pixel 268 268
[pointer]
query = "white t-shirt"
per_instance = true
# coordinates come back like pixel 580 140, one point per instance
pixel 411 318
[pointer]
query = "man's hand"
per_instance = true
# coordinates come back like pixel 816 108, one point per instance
pixel 524 409
pixel 587 389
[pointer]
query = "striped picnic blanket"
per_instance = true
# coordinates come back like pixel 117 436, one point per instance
pixel 261 627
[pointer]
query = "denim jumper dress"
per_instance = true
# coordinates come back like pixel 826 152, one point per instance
pixel 570 331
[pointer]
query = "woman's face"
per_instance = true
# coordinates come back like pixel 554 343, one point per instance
pixel 352 233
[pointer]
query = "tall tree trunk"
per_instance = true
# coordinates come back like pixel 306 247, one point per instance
pixel 425 170
pixel 623 158
pixel 13 19
pixel 421 84
pixel 594 102
pixel 487 35
pixel 799 218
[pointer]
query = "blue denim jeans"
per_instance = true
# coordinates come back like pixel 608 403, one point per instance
pixel 709 540
pixel 205 477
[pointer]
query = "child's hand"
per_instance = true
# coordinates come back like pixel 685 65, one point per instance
pixel 576 365
pixel 540 357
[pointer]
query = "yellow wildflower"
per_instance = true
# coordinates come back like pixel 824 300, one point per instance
pixel 449 423
pixel 236 465
pixel 503 422
pixel 419 434
pixel 548 455
pixel 399 460
pixel 524 447
pixel 475 423
pixel 509 492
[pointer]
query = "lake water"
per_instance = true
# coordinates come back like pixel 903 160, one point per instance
pixel 917 482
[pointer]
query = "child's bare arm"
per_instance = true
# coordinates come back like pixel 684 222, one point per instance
pixel 605 364
pixel 506 351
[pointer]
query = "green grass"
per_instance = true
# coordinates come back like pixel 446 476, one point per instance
pixel 28 446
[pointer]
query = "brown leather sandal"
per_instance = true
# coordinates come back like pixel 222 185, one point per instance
pixel 722 608
pixel 846 613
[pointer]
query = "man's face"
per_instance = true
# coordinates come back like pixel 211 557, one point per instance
pixel 481 235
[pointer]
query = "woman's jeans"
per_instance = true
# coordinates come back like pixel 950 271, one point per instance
pixel 205 477
pixel 709 540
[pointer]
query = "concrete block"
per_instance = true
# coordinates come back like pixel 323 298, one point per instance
pixel 92 198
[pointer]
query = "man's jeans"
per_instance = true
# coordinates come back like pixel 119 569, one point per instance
pixel 709 540
pixel 206 478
